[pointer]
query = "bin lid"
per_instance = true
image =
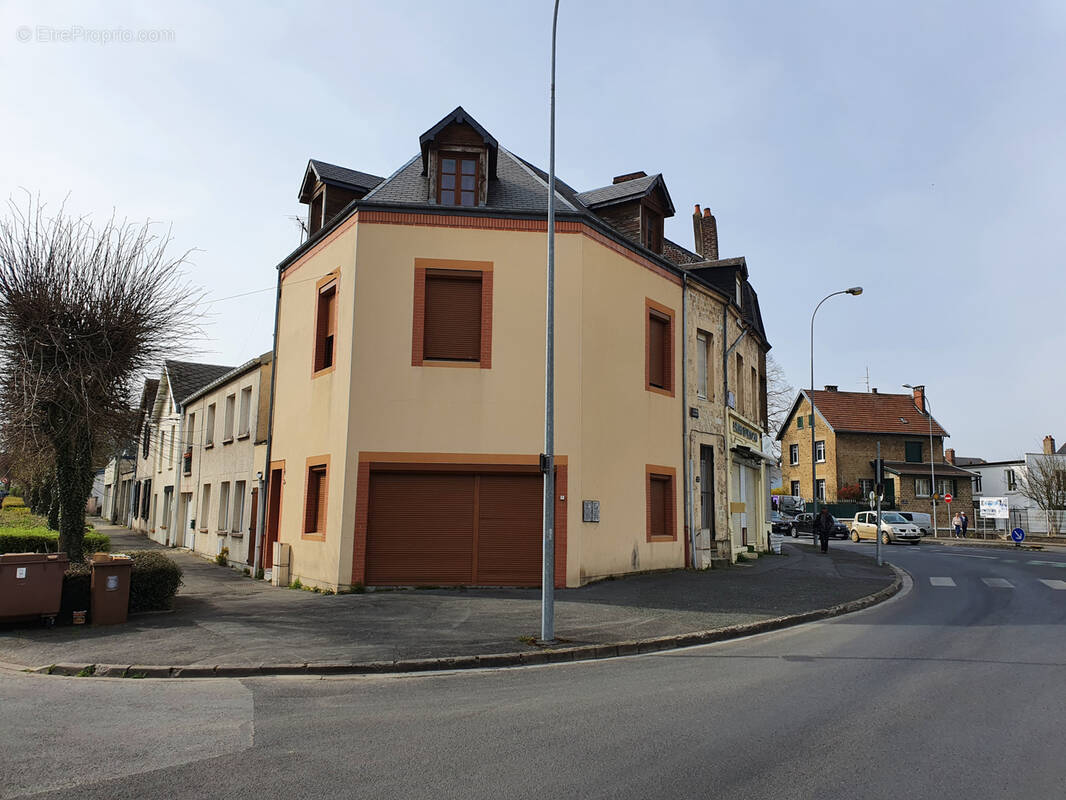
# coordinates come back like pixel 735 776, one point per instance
pixel 33 558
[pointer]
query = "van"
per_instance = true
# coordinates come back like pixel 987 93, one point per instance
pixel 894 528
pixel 923 521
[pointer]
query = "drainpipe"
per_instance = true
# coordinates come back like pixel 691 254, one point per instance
pixel 260 524
pixel 686 471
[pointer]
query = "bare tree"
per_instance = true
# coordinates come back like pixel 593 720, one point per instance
pixel 84 312
pixel 779 397
pixel 1044 482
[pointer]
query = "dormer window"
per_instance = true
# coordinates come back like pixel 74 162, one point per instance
pixel 458 179
pixel 652 233
pixel 740 300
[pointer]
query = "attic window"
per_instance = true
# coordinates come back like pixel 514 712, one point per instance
pixel 314 219
pixel 652 230
pixel 457 180
pixel 740 302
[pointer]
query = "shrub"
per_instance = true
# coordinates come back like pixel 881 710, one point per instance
pixel 849 493
pixel 780 490
pixel 156 579
pixel 42 540
pixel 222 559
pixel 13 502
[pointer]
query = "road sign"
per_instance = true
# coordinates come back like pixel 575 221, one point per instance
pixel 948 498
pixel 994 508
pixel 1018 535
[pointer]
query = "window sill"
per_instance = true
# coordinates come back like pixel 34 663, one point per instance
pixel 202 530
pixel 314 536
pixel 660 390
pixel 443 362
pixel 227 441
pixel 237 534
pixel 324 371
pixel 209 445
pixel 243 436
pixel 662 538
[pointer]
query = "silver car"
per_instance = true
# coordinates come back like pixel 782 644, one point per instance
pixel 894 528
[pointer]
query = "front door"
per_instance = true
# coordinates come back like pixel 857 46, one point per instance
pixel 189 538
pixel 252 519
pixel 707 520
pixel 273 516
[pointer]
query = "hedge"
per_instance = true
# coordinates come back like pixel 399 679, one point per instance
pixel 42 540
pixel 154 580
pixel 13 502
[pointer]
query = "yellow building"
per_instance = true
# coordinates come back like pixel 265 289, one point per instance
pixel 409 375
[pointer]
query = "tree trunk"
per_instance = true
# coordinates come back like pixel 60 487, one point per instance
pixel 74 479
pixel 53 509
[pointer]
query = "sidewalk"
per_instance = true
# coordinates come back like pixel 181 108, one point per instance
pixel 226 624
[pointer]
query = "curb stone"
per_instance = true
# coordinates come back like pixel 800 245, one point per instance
pixel 489 660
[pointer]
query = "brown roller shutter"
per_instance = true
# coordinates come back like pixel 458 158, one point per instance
pixel 326 325
pixel 420 529
pixel 453 316
pixel 657 360
pixel 509 530
pixel 658 491
pixel 315 512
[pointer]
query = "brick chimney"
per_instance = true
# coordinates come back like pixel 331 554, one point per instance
pixel 705 229
pixel 1049 445
pixel 873 390
pixel 629 176
pixel 829 387
pixel 949 455
pixel 919 398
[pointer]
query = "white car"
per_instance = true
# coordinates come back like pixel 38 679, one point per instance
pixel 894 528
pixel 923 521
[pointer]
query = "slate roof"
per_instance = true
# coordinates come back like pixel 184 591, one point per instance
pixel 873 412
pixel 226 377
pixel 186 377
pixel 966 461
pixel 352 177
pixel 942 468
pixel 625 191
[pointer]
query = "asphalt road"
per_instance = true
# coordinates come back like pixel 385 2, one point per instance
pixel 952 689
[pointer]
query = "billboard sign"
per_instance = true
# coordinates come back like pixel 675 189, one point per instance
pixel 994 508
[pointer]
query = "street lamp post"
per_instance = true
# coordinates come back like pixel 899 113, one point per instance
pixel 854 290
pixel 932 468
pixel 547 581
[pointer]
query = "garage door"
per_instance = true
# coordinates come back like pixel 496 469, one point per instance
pixel 454 528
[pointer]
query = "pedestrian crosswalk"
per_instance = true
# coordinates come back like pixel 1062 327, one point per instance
pixel 994 583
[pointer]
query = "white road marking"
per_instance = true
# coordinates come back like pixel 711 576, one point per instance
pixel 998 583
pixel 942 581
pixel 1054 584
pixel 1048 563
pixel 967 555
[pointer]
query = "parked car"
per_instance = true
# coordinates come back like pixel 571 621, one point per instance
pixel 780 523
pixel 805 524
pixel 923 521
pixel 894 528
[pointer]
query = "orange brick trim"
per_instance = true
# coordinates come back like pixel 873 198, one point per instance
pixel 418 313
pixel 665 311
pixel 443 462
pixel 314 461
pixel 671 500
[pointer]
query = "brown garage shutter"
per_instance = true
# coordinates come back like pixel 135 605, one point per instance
pixel 510 509
pixel 657 360
pixel 453 315
pixel 420 529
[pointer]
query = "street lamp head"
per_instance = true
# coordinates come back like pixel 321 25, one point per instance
pixel 855 290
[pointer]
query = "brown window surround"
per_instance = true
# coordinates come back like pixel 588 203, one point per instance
pixel 661 502
pixel 316 496
pixel 658 348
pixel 457 178
pixel 325 348
pixel 652 229
pixel 440 337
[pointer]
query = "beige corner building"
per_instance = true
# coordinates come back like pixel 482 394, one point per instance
pixel 409 377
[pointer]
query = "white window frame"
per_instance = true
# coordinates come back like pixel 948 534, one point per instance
pixel 209 426
pixel 244 426
pixel 819 489
pixel 703 358
pixel 1011 479
pixel 919 485
pixel 237 519
pixel 205 506
pixel 793 455
pixel 223 506
pixel 819 451
pixel 228 420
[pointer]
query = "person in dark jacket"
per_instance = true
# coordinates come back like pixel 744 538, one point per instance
pixel 823 526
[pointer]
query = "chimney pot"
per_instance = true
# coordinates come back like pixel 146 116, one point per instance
pixel 830 387
pixel 873 390
pixel 697 212
pixel 705 231
pixel 1049 445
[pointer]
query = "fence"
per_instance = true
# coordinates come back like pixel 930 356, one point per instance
pixel 1031 520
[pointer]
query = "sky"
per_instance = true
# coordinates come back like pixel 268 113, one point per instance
pixel 914 149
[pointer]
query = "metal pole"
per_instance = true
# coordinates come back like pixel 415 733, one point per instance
pixel 878 528
pixel 932 467
pixel 547 585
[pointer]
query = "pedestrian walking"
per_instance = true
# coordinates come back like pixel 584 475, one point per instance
pixel 965 523
pixel 956 521
pixel 823 526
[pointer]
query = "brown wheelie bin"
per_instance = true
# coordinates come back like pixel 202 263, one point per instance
pixel 31 585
